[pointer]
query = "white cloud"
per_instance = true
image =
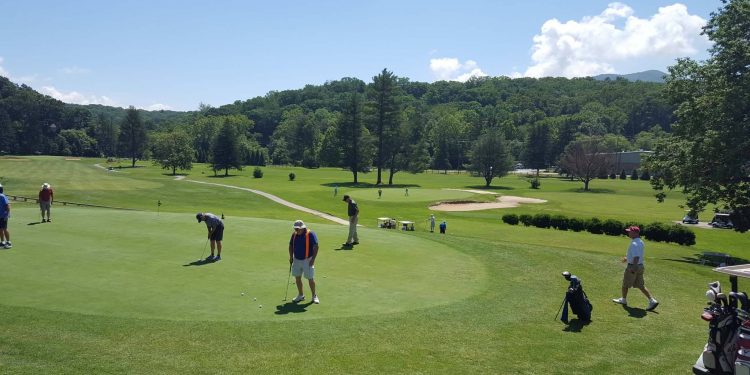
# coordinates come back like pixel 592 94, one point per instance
pixel 595 44
pixel 75 97
pixel 3 72
pixel 451 69
pixel 158 107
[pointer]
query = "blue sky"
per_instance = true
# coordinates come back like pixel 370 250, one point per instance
pixel 178 54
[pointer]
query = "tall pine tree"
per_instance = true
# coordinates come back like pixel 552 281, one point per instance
pixel 132 140
pixel 226 150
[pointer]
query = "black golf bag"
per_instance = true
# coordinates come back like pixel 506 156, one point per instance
pixel 721 350
pixel 576 299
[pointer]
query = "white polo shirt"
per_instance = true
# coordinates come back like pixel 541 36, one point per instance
pixel 635 250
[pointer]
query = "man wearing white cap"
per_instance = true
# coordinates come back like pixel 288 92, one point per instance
pixel 303 248
pixel 45 201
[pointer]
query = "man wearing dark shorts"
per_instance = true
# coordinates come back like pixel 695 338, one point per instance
pixel 215 233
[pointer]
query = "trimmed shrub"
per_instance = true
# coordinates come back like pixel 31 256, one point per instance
pixel 634 175
pixel 541 220
pixel 559 222
pixel 612 176
pixel 511 219
pixel 655 232
pixel 535 183
pixel 257 172
pixel 594 225
pixel 645 176
pixel 525 219
pixel 612 227
pixel 623 175
pixel 292 176
pixel 681 235
pixel 575 224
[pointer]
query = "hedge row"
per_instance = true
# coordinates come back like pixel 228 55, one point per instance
pixel 658 232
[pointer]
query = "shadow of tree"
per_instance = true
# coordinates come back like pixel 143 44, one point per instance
pixel 491 188
pixel 367 185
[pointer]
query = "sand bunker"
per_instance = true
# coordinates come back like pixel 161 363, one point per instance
pixel 505 201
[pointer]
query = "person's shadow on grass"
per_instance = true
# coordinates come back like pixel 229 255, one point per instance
pixel 292 307
pixel 576 325
pixel 34 223
pixel 199 262
pixel 634 312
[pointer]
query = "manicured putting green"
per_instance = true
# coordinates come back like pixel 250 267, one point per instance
pixel 141 265
pixel 399 194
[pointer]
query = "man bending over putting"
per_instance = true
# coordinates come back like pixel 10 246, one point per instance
pixel 215 233
pixel 303 248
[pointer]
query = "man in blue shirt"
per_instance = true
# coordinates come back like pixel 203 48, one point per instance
pixel 4 216
pixel 215 233
pixel 303 248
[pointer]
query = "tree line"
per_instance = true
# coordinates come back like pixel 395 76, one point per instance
pixel 388 125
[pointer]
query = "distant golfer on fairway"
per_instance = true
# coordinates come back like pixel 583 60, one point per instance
pixel 4 217
pixel 215 233
pixel 353 211
pixel 303 248
pixel 45 201
pixel 633 276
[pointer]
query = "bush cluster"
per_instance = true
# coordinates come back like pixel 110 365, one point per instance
pixel 655 231
pixel 257 172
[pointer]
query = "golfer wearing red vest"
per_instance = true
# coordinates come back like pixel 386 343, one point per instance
pixel 303 248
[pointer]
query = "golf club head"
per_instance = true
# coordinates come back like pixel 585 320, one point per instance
pixel 715 286
pixel 711 296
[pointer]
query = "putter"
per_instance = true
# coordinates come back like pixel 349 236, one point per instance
pixel 286 295
pixel 204 250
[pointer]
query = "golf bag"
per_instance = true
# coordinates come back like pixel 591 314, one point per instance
pixel 720 352
pixel 576 299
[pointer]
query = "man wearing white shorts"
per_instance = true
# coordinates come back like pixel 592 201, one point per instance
pixel 303 248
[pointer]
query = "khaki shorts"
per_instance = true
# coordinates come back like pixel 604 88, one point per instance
pixel 300 267
pixel 633 277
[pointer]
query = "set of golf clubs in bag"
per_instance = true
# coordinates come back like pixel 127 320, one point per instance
pixel 727 350
pixel 576 299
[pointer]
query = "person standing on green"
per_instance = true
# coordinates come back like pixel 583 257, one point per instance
pixel 303 249
pixel 215 233
pixel 353 212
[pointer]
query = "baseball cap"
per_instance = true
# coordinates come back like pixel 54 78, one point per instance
pixel 199 216
pixel 299 224
pixel 345 197
pixel 633 228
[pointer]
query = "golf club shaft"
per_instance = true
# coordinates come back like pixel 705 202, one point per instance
pixel 286 295
pixel 561 306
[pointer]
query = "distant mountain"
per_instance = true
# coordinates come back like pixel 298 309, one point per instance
pixel 647 76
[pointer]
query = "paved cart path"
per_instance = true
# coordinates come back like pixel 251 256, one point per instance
pixel 275 199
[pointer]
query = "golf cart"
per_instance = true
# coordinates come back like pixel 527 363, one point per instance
pixel 728 315
pixel 721 221
pixel 691 217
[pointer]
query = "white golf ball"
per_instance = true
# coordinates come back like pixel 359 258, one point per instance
pixel 260 306
pixel 242 294
pixel 254 298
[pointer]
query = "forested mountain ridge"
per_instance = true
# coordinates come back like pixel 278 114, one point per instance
pixel 434 123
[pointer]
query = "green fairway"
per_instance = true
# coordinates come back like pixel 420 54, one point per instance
pixel 103 290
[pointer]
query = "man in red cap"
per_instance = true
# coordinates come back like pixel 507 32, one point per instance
pixel 633 276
